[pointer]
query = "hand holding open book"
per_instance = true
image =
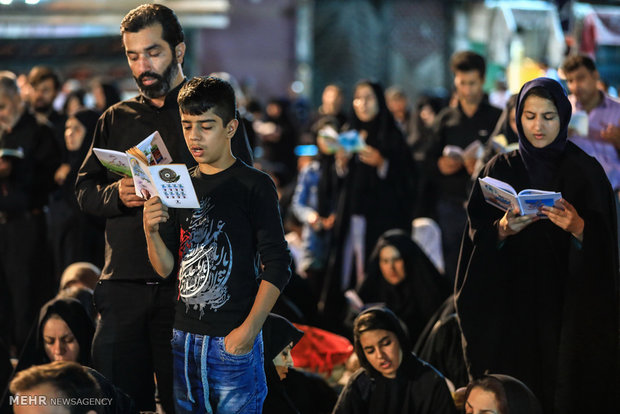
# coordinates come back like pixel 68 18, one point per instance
pixel 503 196
pixel 148 164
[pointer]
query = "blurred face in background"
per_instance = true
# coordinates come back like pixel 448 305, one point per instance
pixel 59 342
pixel 42 95
pixel 331 101
pixel 583 84
pixel 469 86
pixel 365 103
pixel 10 109
pixel 283 361
pixel 392 265
pixel 74 134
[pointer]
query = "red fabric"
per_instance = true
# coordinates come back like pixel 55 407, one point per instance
pixel 320 350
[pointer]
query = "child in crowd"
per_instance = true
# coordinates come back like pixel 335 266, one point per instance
pixel 217 341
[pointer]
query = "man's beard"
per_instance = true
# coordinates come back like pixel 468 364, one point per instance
pixel 42 107
pixel 163 84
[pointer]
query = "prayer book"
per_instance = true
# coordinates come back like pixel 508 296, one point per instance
pixel 351 141
pixel 503 196
pixel 153 175
pixel 12 152
pixel 472 151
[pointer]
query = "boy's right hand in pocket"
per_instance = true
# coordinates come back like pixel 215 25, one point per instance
pixel 154 213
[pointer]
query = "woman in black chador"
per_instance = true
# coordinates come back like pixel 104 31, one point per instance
pixel 392 379
pixel 376 192
pixel 537 296
pixel 400 275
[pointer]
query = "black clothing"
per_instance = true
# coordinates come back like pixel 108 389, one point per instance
pixel 76 236
pixel 132 339
pixel 120 403
pixel 385 202
pixel 415 299
pixel 453 127
pixel 309 392
pixel 540 307
pixel 278 333
pixel 440 344
pixel 222 244
pixel 139 313
pixel 23 250
pixel 418 388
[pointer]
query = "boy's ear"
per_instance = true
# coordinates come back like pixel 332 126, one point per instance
pixel 231 128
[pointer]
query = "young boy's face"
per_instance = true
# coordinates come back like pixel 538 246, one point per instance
pixel 207 138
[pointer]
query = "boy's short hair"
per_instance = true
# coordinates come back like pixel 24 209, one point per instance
pixel 69 379
pixel 201 94
pixel 466 61
pixel 149 14
pixel 574 62
pixel 39 74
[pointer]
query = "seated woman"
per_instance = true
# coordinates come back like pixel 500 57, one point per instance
pixel 499 394
pixel 291 391
pixel 537 295
pixel 392 379
pixel 402 277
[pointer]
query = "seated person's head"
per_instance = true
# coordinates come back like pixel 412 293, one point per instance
pixel 80 274
pixel 208 119
pixel 65 332
pixel 279 337
pixel 380 341
pixel 500 394
pixel 34 388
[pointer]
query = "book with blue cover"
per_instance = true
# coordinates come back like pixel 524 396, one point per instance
pixel 503 196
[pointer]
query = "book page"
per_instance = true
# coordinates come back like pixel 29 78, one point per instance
pixel 115 161
pixel 154 149
pixel 142 179
pixel 174 185
pixel 497 195
pixel 532 203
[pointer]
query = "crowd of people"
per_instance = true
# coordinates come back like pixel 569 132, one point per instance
pixel 365 219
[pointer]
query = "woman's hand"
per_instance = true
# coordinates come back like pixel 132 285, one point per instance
pixel 512 223
pixel 566 217
pixel 371 156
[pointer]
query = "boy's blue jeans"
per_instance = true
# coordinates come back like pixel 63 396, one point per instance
pixel 207 379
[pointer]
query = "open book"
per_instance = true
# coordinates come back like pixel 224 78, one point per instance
pixel 12 152
pixel 503 196
pixel 148 164
pixel 472 151
pixel 351 141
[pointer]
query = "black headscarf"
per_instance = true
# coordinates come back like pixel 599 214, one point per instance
pixel 75 316
pixel 542 163
pixel 519 399
pixel 278 332
pixel 418 296
pixel 379 317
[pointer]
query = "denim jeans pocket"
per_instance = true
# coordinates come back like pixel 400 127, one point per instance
pixel 247 357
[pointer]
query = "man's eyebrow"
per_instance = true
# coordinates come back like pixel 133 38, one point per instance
pixel 147 49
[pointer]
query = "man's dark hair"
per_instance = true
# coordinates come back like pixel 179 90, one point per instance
pixel 150 14
pixel 201 94
pixel 39 74
pixel 574 62
pixel 466 61
pixel 70 379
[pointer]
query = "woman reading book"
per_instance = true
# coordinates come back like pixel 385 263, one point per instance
pixel 537 297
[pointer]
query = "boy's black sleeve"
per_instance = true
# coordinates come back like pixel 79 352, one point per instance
pixel 269 233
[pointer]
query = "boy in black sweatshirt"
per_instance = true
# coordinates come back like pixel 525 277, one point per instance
pixel 217 250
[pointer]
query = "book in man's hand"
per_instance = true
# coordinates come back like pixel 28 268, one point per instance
pixel 153 175
pixel 503 196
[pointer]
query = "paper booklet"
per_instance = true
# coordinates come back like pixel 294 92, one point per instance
pixel 503 196
pixel 12 152
pixel 148 164
pixel 351 141
pixel 472 151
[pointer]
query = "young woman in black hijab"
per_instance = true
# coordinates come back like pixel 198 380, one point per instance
pixel 537 298
pixel 392 379
pixel 500 394
pixel 376 191
pixel 402 277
